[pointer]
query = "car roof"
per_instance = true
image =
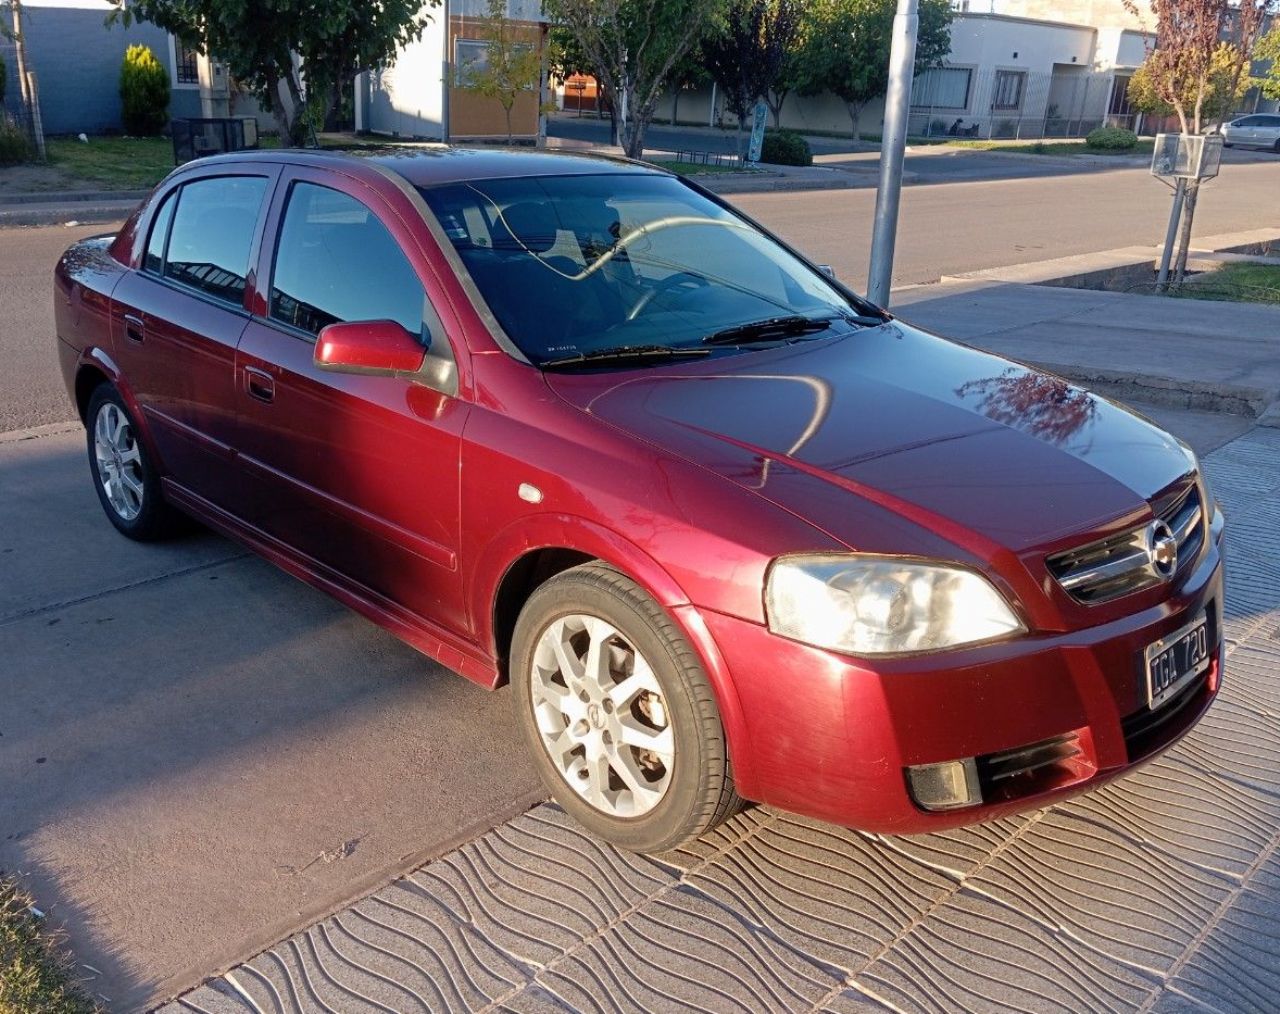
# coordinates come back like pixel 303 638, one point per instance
pixel 427 165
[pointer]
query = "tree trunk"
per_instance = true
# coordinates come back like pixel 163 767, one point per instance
pixel 675 107
pixel 855 114
pixel 775 101
pixel 290 122
pixel 1184 236
pixel 510 138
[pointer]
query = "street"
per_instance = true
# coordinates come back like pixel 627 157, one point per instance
pixel 945 229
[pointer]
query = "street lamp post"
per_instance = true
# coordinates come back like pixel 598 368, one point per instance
pixel 893 145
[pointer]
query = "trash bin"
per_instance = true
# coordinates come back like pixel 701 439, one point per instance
pixel 198 137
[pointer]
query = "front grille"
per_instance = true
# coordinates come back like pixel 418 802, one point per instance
pixel 1121 564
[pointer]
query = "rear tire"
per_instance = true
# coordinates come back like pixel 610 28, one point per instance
pixel 124 475
pixel 617 712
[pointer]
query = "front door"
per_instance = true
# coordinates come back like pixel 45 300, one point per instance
pixel 359 473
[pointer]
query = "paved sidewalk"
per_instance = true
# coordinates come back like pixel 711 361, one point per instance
pixel 1187 353
pixel 1159 893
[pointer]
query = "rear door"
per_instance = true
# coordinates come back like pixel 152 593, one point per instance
pixel 359 473
pixel 179 318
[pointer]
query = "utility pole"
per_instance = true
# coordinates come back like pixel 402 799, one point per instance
pixel 893 145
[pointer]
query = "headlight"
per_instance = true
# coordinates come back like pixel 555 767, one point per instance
pixel 879 605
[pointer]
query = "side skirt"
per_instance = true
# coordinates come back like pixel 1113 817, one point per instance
pixel 427 637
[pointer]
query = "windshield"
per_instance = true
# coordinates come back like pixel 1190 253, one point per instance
pixel 572 265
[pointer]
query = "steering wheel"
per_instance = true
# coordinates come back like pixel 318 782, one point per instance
pixel 678 280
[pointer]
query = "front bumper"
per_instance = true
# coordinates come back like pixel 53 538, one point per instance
pixel 831 737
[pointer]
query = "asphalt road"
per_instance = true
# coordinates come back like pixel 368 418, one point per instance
pixel 945 229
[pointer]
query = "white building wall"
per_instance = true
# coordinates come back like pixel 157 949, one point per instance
pixel 406 99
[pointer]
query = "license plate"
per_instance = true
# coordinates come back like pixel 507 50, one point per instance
pixel 1175 660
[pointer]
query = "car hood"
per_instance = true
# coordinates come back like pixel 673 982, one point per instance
pixel 958 441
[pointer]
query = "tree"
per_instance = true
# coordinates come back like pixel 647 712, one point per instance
pixel 292 54
pixel 788 72
pixel 846 49
pixel 144 92
pixel 633 47
pixel 1268 51
pixel 1225 89
pixel 1189 62
pixel 688 74
pixel 745 54
pixel 513 65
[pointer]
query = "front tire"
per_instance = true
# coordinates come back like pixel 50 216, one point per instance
pixel 126 479
pixel 618 713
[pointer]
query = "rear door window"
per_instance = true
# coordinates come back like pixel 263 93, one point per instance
pixel 335 261
pixel 212 233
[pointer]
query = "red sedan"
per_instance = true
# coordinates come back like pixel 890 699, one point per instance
pixel 730 531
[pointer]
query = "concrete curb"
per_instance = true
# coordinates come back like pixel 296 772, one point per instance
pixel 17 216
pixel 71 196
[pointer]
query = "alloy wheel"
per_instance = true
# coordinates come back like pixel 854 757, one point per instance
pixel 601 716
pixel 119 461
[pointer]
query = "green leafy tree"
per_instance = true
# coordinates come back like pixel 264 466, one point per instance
pixel 632 47
pixel 4 77
pixel 688 74
pixel 788 72
pixel 846 49
pixel 144 92
pixel 513 65
pixel 273 46
pixel 1267 53
pixel 746 52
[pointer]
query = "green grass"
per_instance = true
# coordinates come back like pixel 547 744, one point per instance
pixel 698 169
pixel 113 163
pixel 35 975
pixel 1239 282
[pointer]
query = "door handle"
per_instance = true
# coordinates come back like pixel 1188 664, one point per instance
pixel 133 328
pixel 259 384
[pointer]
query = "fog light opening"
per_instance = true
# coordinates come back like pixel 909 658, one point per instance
pixel 945 786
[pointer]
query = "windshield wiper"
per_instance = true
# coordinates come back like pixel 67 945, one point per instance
pixel 778 328
pixel 624 353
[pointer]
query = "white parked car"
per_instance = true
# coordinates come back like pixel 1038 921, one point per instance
pixel 1258 130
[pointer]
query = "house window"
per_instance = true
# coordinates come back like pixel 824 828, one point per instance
pixel 187 61
pixel 942 88
pixel 1007 92
pixel 470 58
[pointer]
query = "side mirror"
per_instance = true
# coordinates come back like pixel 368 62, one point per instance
pixel 376 347
pixel 827 270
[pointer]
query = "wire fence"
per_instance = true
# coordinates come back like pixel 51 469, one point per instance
pixel 1015 104
pixel 21 133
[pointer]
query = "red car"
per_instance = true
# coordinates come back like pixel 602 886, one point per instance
pixel 730 531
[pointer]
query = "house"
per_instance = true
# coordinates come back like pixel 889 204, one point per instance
pixel 423 93
pixel 76 59
pixel 1017 69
